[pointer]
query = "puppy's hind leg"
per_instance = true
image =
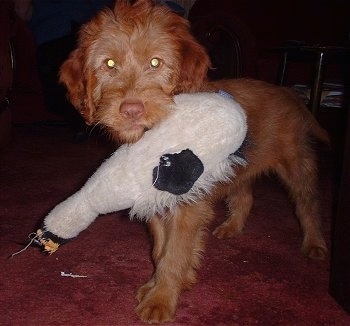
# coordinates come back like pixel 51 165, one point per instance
pixel 239 201
pixel 299 173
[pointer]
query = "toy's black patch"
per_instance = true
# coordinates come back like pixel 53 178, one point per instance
pixel 49 235
pixel 177 173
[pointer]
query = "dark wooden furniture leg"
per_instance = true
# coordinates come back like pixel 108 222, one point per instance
pixel 340 256
pixel 317 85
pixel 283 69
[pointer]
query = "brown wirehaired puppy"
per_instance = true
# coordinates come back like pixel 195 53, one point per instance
pixel 128 64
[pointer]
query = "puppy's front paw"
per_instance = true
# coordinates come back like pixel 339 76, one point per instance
pixel 225 231
pixel 144 289
pixel 318 251
pixel 156 308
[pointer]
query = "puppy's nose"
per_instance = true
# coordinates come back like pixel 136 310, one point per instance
pixel 131 110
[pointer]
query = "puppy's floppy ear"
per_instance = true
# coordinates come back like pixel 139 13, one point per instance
pixel 79 83
pixel 194 67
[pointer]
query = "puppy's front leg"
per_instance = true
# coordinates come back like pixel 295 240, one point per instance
pixel 178 243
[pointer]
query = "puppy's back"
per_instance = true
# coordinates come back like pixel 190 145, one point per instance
pixel 279 123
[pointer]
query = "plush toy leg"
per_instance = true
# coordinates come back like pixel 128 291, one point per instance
pixel 47 240
pixel 99 195
pixel 65 222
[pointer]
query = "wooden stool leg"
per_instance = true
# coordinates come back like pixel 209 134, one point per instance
pixel 317 86
pixel 283 69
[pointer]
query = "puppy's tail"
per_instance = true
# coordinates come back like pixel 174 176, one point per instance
pixel 319 133
pixel 314 128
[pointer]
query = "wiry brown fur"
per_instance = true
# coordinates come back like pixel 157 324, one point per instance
pixel 129 99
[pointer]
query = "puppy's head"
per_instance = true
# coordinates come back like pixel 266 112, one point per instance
pixel 129 63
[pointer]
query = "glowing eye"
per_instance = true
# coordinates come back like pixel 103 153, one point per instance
pixel 110 63
pixel 155 63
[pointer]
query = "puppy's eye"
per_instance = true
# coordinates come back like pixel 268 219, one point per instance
pixel 155 63
pixel 110 63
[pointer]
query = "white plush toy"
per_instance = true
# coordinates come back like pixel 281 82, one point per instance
pixel 177 161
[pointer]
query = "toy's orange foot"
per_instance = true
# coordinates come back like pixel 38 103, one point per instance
pixel 47 240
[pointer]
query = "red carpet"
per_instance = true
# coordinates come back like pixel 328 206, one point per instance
pixel 259 278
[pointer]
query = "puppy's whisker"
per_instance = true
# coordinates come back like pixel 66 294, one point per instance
pixel 93 128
